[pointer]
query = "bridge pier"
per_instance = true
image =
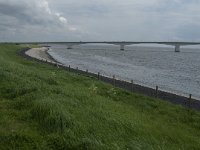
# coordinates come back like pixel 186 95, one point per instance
pixel 122 47
pixel 69 46
pixel 177 48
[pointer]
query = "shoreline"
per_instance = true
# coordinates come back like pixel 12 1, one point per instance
pixel 42 55
pixel 162 88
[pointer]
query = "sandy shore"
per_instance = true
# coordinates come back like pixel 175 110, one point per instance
pixel 40 53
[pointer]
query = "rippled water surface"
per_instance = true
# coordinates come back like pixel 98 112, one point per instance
pixel 149 66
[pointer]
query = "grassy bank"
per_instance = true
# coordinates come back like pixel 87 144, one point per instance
pixel 42 107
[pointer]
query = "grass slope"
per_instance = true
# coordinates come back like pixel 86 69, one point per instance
pixel 42 107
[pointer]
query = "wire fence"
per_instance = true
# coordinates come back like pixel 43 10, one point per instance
pixel 187 102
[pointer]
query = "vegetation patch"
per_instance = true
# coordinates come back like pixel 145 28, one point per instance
pixel 43 107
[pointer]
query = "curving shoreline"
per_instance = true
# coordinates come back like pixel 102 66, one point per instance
pixel 41 55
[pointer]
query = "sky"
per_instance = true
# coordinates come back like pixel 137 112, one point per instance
pixel 99 20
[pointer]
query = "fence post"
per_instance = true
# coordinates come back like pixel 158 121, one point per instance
pixel 190 100
pixel 156 91
pixel 76 69
pixel 114 80
pixel 69 68
pixel 98 75
pixel 131 85
pixel 57 65
pixel 86 70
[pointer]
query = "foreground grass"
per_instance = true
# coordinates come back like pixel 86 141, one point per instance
pixel 42 107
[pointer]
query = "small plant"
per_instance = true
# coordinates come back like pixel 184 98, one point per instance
pixel 112 92
pixel 53 75
pixel 93 89
pixel 52 79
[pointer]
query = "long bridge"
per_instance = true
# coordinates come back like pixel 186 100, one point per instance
pixel 122 44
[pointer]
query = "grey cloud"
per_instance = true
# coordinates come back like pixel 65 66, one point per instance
pixel 189 32
pixel 100 20
pixel 26 13
pixel 20 16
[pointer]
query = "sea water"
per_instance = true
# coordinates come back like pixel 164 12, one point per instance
pixel 146 65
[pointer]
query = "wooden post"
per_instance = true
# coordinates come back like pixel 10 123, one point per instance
pixel 98 75
pixel 190 100
pixel 86 70
pixel 76 69
pixel 156 91
pixel 69 68
pixel 131 85
pixel 114 80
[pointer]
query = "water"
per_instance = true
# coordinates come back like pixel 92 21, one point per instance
pixel 150 66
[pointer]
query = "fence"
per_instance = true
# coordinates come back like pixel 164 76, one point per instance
pixel 187 102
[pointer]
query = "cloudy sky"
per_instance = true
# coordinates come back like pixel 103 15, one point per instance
pixel 99 20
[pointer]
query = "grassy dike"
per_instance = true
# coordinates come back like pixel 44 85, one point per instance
pixel 42 107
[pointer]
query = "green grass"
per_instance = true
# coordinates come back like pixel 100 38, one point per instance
pixel 42 107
